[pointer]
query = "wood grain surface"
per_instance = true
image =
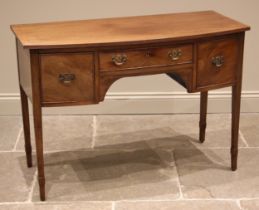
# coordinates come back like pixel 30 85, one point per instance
pixel 210 75
pixel 126 30
pixel 80 65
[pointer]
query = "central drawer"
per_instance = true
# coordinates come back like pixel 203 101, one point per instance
pixel 148 57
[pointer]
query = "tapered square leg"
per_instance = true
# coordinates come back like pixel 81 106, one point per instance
pixel 39 149
pixel 37 119
pixel 26 127
pixel 236 99
pixel 203 115
pixel 37 114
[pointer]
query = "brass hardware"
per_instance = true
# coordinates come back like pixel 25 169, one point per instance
pixel 66 78
pixel 175 54
pixel 119 59
pixel 218 61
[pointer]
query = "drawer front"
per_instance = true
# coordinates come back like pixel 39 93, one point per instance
pixel 217 62
pixel 67 77
pixel 151 57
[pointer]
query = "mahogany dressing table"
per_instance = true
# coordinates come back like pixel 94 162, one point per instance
pixel 75 63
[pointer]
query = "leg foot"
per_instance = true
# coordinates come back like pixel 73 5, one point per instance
pixel 41 181
pixel 234 155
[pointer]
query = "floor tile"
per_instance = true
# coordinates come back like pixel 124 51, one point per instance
pixel 109 176
pixel 206 174
pixel 15 178
pixel 64 133
pixel 249 126
pixel 10 128
pixel 250 204
pixel 179 205
pixel 129 132
pixel 174 131
pixel 65 206
pixel 135 163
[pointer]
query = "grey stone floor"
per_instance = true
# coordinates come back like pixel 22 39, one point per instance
pixel 131 162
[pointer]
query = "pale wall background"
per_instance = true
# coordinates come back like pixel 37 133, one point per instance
pixel 149 94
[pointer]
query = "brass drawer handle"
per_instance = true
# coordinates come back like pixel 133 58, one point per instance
pixel 66 78
pixel 218 61
pixel 119 59
pixel 175 54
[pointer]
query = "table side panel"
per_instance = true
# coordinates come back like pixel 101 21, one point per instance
pixel 24 69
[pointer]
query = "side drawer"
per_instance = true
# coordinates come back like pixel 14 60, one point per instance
pixel 67 77
pixel 217 62
pixel 149 57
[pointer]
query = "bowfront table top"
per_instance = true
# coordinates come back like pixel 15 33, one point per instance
pixel 126 30
pixel 75 63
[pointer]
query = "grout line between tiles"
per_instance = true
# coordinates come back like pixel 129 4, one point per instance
pixel 51 202
pixel 188 199
pixel 29 200
pixel 239 204
pixel 7 151
pixel 113 205
pixel 19 150
pixel 243 138
pixel 100 149
pixel 94 132
pixel 248 199
pixel 17 139
pixel 13 203
pixel 178 179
